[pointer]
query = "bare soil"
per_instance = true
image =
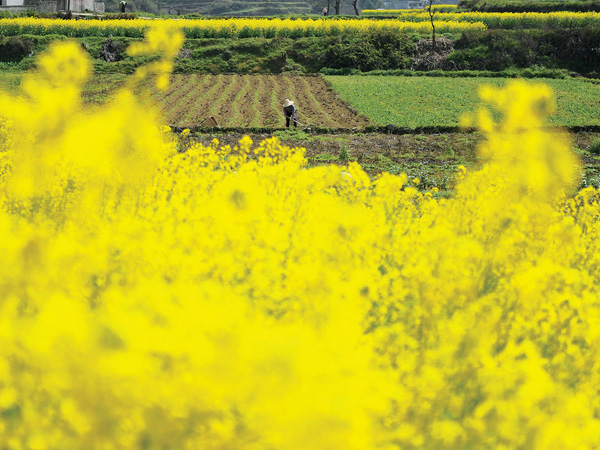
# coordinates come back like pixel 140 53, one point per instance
pixel 254 100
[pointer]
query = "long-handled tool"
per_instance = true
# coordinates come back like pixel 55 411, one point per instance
pixel 309 119
pixel 295 121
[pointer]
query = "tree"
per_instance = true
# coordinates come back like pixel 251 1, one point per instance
pixel 431 12
pixel 338 5
pixel 355 7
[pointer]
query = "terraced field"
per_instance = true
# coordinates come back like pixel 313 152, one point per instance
pixel 253 101
pixel 413 102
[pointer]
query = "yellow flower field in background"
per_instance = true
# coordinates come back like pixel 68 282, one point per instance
pixel 222 28
pixel 232 298
pixel 497 19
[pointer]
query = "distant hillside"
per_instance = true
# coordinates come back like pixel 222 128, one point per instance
pixel 238 7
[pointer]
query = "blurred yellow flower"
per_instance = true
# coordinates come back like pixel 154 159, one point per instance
pixel 231 297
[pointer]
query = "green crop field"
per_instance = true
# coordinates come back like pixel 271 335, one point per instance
pixel 429 101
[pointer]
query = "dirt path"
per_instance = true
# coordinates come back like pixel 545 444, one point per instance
pixel 253 100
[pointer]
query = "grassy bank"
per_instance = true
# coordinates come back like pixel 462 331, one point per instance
pixel 546 52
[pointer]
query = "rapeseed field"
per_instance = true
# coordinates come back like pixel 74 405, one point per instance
pixel 503 20
pixel 225 28
pixel 156 293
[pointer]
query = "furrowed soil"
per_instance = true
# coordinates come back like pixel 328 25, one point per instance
pixel 253 101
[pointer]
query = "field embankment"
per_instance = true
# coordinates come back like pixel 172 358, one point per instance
pixel 310 46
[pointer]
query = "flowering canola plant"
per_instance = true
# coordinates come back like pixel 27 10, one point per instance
pixel 507 20
pixel 232 298
pixel 226 28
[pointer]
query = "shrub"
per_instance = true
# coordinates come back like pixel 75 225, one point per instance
pixel 120 16
pixel 570 49
pixel 15 48
pixel 381 50
pixel 344 154
pixel 594 148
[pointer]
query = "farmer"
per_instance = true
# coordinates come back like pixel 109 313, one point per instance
pixel 290 112
pixel 122 5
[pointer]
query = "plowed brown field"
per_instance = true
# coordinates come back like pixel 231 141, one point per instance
pixel 253 101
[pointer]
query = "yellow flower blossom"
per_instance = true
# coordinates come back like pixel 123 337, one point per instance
pixel 232 297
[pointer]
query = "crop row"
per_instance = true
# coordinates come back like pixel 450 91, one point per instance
pixel 225 28
pixel 498 20
pixel 251 101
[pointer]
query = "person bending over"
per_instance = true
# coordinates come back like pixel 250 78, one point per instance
pixel 290 112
